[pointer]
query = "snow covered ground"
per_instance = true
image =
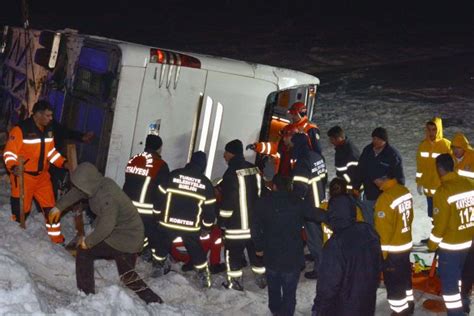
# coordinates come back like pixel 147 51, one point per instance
pixel 360 90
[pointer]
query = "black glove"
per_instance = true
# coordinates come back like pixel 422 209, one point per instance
pixel 250 146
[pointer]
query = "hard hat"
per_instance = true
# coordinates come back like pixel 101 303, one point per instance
pixel 297 107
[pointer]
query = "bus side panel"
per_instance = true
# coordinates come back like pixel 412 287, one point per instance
pixel 243 99
pixel 172 108
pixel 128 97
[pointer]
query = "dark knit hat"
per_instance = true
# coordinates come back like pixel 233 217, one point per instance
pixel 199 159
pixel 153 142
pixel 381 133
pixel 235 147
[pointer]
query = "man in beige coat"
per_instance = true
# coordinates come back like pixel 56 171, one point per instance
pixel 118 232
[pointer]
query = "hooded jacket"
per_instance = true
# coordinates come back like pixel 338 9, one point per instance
pixel 464 166
pixel 351 264
pixel 117 223
pixel 426 174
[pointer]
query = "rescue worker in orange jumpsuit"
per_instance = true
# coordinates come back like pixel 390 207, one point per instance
pixel 33 140
pixel 280 151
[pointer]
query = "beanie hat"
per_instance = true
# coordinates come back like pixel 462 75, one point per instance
pixel 235 147
pixel 199 159
pixel 459 140
pixel 381 133
pixel 153 142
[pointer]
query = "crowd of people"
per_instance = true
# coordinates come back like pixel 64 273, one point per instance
pixel 359 229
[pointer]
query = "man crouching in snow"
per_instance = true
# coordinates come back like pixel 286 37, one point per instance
pixel 118 232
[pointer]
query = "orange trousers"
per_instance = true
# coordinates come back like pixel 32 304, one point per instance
pixel 36 187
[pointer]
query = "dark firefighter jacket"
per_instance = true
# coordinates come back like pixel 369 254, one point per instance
pixel 189 200
pixel 241 186
pixel 346 161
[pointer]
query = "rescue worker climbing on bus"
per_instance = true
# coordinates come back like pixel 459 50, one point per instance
pixel 463 155
pixel 33 140
pixel 280 151
pixel 427 178
pixel 393 220
pixel 453 231
pixel 144 173
pixel 241 186
pixel 309 179
pixel 346 157
pixel 187 211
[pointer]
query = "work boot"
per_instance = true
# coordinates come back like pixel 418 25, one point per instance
pixel 187 267
pixel 150 297
pixel 261 280
pixel 312 275
pixel 204 277
pixel 217 268
pixel 160 268
pixel 234 283
pixel 411 307
pixel 146 255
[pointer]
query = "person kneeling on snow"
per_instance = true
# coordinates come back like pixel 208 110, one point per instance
pixel 118 232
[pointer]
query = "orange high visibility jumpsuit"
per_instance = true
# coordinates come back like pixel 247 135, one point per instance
pixel 38 151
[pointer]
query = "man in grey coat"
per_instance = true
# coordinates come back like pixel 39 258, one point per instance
pixel 118 232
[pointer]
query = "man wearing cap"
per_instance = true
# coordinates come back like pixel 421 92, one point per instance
pixel 309 179
pixel 241 186
pixel 144 173
pixel 393 220
pixel 463 155
pixel 187 208
pixel 378 154
pixel 280 150
pixel 427 179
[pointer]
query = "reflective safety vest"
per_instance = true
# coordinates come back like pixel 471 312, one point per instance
pixel 309 178
pixel 144 172
pixel 241 186
pixel 35 146
pixel 453 214
pixel 394 217
pixel 426 174
pixel 188 201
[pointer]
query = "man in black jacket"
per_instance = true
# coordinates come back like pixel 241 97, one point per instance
pixel 346 157
pixel 309 177
pixel 377 155
pixel 241 186
pixel 189 203
pixel 276 233
pixel 351 263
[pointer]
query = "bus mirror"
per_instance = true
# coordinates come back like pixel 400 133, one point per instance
pixel 47 55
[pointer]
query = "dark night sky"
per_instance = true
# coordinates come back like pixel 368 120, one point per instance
pixel 181 24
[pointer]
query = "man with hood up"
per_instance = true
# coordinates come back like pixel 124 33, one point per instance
pixel 427 179
pixel 351 262
pixel 188 210
pixel 118 232
pixel 463 155
pixel 309 177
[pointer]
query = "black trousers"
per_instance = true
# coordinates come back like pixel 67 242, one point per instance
pixel 397 279
pixel 468 274
pixel 234 251
pixel 151 225
pixel 125 265
pixel 191 242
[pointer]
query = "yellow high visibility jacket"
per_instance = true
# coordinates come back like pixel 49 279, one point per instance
pixel 393 217
pixel 327 231
pixel 426 174
pixel 464 166
pixel 453 214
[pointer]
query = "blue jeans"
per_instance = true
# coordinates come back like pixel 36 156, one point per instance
pixel 368 211
pixel 450 267
pixel 429 203
pixel 282 291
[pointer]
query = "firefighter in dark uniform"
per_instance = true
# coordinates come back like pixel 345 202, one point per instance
pixel 309 178
pixel 144 172
pixel 241 186
pixel 189 202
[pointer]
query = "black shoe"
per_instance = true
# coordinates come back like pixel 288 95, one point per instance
pixel 146 255
pixel 234 284
pixel 160 268
pixel 411 307
pixel 150 297
pixel 261 281
pixel 312 275
pixel 308 257
pixel 424 241
pixel 217 268
pixel 204 278
pixel 187 267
